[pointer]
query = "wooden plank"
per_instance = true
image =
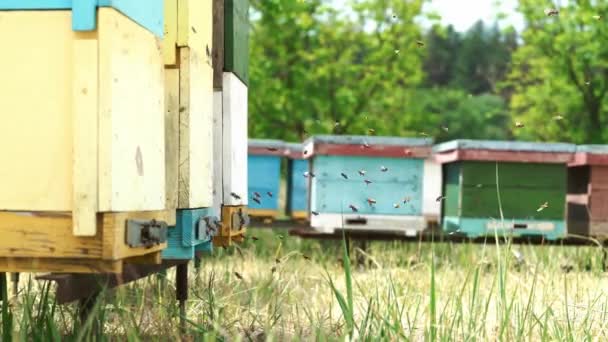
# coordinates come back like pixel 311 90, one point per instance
pixel 36 113
pixel 218 43
pixel 195 26
pixel 172 137
pixel 170 37
pixel 431 188
pixel 131 141
pixel 504 156
pixel 45 235
pixel 195 130
pixel 598 205
pixel 148 259
pixel 234 101
pixel 114 232
pixel 236 38
pixel 58 265
pixel 218 193
pixel 84 107
pixel 372 150
pixel 581 199
pixel 599 177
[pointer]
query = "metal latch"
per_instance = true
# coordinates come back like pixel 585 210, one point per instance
pixel 207 227
pixel 142 233
pixel 240 220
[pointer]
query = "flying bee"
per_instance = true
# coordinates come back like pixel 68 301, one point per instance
pixel 257 194
pixel 550 12
pixel 543 206
pixel 440 198
pixel 367 181
pixel 383 168
pixel 371 201
pixel 362 172
pixel 406 200
pixel 519 124
pixel 558 117
pixel 353 208
pixel 314 212
pixel 256 200
pixel 371 131
pixel 238 275
pixel 344 175
pixel 272 149
pixel 269 194
pixel 396 205
pixel 419 43
pixel 235 196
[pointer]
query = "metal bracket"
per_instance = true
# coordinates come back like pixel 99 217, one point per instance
pixel 240 220
pixel 142 233
pixel 207 227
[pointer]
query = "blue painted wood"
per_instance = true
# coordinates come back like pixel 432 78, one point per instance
pixel 595 149
pixel 476 227
pixel 298 186
pixel 504 146
pixel 372 140
pixel 181 239
pixel 264 175
pixel 147 13
pixel 333 194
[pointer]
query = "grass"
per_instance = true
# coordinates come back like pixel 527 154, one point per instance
pixel 400 291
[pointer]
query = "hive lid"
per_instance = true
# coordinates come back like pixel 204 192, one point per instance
pixel 516 146
pixel 361 145
pixel 590 155
pixel 266 147
pixel 594 149
pixel 504 151
pixel 294 150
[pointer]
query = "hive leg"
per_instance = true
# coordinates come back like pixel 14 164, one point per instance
pixel 181 293
pixel 85 310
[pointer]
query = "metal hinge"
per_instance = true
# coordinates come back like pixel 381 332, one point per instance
pixel 207 227
pixel 142 233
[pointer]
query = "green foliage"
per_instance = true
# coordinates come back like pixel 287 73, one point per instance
pixel 562 70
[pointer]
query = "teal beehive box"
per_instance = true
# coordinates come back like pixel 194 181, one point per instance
pixel 193 232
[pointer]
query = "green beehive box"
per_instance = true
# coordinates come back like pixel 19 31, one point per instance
pixel 236 38
pixel 483 177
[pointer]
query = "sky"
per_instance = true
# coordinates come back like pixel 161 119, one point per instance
pixel 462 14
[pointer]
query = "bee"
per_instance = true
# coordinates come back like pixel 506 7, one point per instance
pixel 277 260
pixel 371 201
pixel 273 269
pixel 424 134
pixel 306 174
pixel 336 124
pixel 235 196
pixel 238 275
pixel 280 237
pixel 440 198
pixel 305 152
pixel 383 168
pixel 353 208
pixel 256 200
pixel 314 212
pixel 543 206
pixel 257 194
pixel 445 128
pixel 550 12
pixel 371 131
pixel 344 175
pixel 254 238
pixel 305 257
pixel 272 149
pixel 366 145
pixel 420 43
pixel 182 109
pixel 396 205
pixel 193 29
pixel 519 124
pixel 406 200
pixel 367 181
pixel 558 117
pixel 362 172
pixel 269 194
pixel 396 52
pixel 597 17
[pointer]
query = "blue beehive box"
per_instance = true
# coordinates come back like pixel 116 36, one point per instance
pixel 367 183
pixel 264 177
pixel 298 176
pixel 193 232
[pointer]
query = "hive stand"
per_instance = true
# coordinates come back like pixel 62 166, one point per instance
pixel 484 180
pixel 297 184
pixel 264 178
pixel 331 195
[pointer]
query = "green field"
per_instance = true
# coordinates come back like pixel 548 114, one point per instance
pixel 393 291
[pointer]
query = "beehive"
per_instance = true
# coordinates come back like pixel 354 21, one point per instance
pixel 297 182
pixel 264 177
pixel 588 191
pixel 82 135
pixel 391 202
pixel 524 181
pixel 187 50
pixel 230 120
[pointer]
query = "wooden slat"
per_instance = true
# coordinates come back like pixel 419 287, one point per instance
pixel 148 259
pixel 84 107
pixel 218 189
pixel 599 177
pixel 170 37
pixel 218 43
pixel 131 114
pixel 59 265
pixel 195 25
pixel 504 156
pixel 582 199
pixel 172 136
pixel 598 205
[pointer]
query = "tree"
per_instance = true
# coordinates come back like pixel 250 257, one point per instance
pixel 561 70
pixel 312 66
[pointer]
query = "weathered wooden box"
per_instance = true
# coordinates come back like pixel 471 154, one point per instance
pixel 189 125
pixel 264 177
pixel 588 191
pixel 367 183
pixel 523 180
pixel 82 133
pixel 298 176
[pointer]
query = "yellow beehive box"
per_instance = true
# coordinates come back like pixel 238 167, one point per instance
pixel 81 132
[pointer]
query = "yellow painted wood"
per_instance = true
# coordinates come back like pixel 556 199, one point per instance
pixel 59 265
pixel 148 259
pixel 195 131
pixel 131 141
pixel 262 213
pixel 84 107
pixel 195 27
pixel 170 37
pixel 172 136
pixel 35 110
pixel 227 232
pixel 299 215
